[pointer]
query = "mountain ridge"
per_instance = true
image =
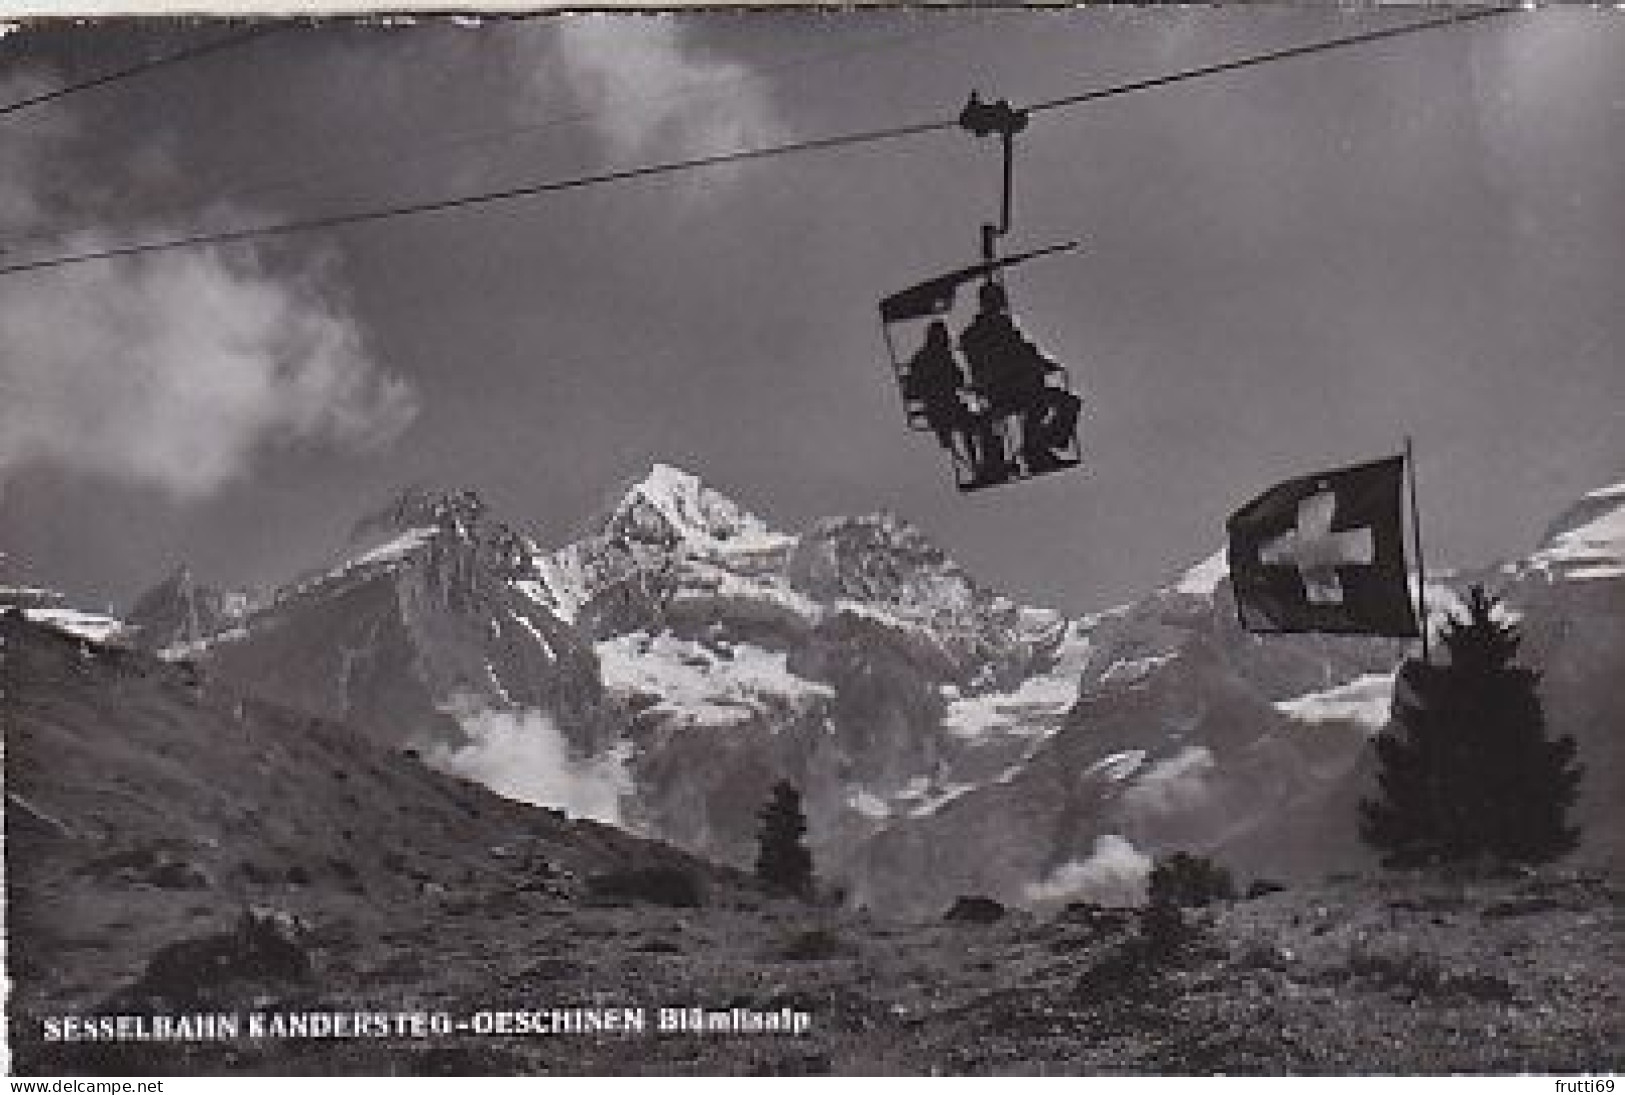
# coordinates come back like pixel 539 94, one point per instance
pixel 708 654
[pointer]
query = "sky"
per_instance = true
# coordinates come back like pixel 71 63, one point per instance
pixel 1284 268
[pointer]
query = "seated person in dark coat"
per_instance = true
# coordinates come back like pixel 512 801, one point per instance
pixel 1012 375
pixel 934 381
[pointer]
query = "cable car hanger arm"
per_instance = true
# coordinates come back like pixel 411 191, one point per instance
pixel 935 296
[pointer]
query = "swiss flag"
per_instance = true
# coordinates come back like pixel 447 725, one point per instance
pixel 1325 552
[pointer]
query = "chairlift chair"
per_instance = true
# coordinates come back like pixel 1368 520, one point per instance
pixel 910 310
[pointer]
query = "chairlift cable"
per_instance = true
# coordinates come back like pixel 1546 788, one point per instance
pixel 711 86
pixel 1288 53
pixel 191 54
pixel 818 144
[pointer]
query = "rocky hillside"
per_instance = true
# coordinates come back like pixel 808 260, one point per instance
pixel 145 804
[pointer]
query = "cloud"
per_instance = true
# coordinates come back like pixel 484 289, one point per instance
pixel 1115 873
pixel 171 370
pixel 1176 785
pixel 523 756
pixel 651 91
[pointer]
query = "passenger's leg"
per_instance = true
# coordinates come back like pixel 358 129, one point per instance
pixel 1065 408
pixel 988 460
pixel 1036 437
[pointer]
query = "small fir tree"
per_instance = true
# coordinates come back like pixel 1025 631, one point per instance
pixel 783 862
pixel 1467 771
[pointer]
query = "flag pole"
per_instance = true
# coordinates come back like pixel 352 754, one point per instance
pixel 1416 537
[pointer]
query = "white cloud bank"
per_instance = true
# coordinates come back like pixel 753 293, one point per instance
pixel 1116 873
pixel 173 369
pixel 651 90
pixel 169 370
pixel 1177 785
pixel 523 756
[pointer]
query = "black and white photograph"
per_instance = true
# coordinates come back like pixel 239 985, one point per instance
pixel 875 541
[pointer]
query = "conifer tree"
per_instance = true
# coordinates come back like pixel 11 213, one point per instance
pixel 1466 770
pixel 783 862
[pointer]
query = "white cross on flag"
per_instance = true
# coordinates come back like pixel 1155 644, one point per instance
pixel 1325 553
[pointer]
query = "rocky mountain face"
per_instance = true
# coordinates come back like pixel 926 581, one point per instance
pixel 181 610
pixel 837 658
pixel 1187 733
pixel 425 626
pixel 1190 733
pixel 668 665
pixel 1570 597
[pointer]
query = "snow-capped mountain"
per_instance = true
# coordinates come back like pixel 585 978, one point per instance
pixel 669 664
pixel 1186 733
pixel 664 669
pixel 51 607
pixel 1190 733
pixel 855 658
pixel 422 628
pixel 1585 543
